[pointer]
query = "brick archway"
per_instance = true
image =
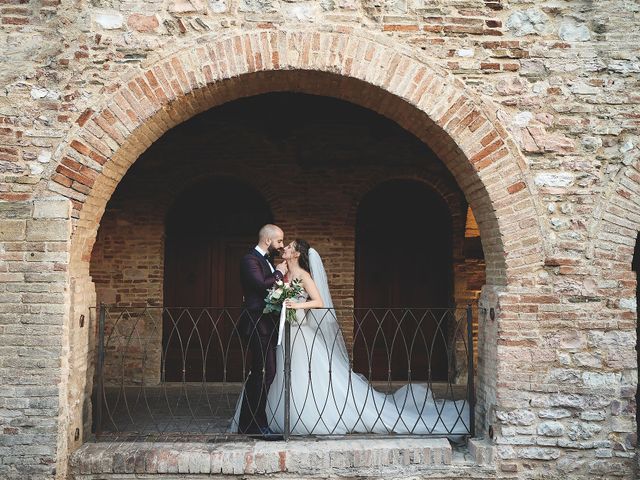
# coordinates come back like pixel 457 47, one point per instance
pixel 434 106
pixel 456 124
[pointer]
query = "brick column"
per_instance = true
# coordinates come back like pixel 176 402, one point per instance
pixel 34 293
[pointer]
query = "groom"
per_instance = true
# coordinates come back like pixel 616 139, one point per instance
pixel 257 275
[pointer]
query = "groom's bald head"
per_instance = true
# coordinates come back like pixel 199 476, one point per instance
pixel 271 237
pixel 269 231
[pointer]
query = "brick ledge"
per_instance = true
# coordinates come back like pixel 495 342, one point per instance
pixel 398 457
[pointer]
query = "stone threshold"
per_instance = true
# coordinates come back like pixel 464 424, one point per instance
pixel 309 458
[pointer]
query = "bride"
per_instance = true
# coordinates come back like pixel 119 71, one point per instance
pixel 326 396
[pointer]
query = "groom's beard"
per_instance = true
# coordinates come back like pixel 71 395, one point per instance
pixel 275 252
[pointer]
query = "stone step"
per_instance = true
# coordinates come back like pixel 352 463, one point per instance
pixel 306 457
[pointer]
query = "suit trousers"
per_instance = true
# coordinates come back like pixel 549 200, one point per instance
pixel 260 335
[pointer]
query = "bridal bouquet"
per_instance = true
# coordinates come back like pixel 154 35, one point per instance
pixel 280 292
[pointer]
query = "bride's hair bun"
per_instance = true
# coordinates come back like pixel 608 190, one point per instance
pixel 302 247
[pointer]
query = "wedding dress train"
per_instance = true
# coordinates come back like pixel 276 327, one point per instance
pixel 327 397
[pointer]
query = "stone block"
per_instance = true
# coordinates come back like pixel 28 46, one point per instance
pixel 539 453
pixel 554 413
pixel 15 210
pixel 551 429
pixel 482 451
pixel 108 19
pixel 531 21
pixel 48 230
pixel 572 31
pixel 12 230
pixel 52 208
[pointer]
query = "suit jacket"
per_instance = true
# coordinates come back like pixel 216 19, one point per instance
pixel 256 279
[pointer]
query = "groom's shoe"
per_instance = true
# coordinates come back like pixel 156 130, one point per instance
pixel 270 435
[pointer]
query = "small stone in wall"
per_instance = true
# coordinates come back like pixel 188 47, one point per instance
pixel 593 415
pixel 564 358
pixel 517 417
pixel 582 431
pixel 187 6
pixel 109 19
pixel 626 146
pixel 257 6
pixel 510 87
pixel 572 31
pixel 545 118
pixel 569 463
pixel 559 179
pixel 583 88
pixel 302 12
pixel 586 359
pixel 612 338
pixel 522 119
pixel 537 453
pixel 44 156
pixel 624 66
pixel 143 23
pixel 551 429
pixel 465 52
pixel 38 93
pixel 569 400
pixel 628 303
pixel 10 167
pixel 591 144
pixel 506 452
pixel 528 22
pixel 35 168
pixel 218 6
pixel 554 413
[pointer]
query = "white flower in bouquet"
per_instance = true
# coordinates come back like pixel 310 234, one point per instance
pixel 280 292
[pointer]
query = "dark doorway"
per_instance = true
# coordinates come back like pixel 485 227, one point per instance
pixel 635 266
pixel 403 261
pixel 208 230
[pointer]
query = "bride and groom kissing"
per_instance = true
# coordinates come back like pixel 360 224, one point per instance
pixel 258 274
pixel 326 395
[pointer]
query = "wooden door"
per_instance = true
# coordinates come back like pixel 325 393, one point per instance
pixel 403 273
pixel 202 290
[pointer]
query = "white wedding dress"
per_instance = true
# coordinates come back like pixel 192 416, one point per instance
pixel 327 397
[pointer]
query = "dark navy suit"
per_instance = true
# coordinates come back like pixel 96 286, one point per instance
pixel 260 332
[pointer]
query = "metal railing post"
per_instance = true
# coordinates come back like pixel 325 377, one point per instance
pixel 287 380
pixel 99 368
pixel 471 374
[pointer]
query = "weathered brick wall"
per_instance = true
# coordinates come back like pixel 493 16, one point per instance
pixel 557 367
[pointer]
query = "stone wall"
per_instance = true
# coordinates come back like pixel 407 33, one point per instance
pixel 531 106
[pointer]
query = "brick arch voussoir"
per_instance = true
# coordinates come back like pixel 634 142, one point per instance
pixel 457 126
pixel 615 230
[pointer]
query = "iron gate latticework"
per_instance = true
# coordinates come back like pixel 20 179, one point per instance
pixel 177 373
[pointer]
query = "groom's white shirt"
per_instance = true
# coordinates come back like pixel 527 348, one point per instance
pixel 263 253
